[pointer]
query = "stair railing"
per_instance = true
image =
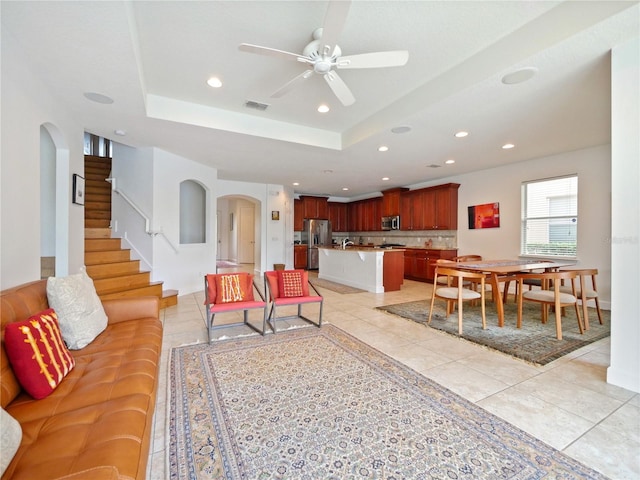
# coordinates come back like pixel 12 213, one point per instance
pixel 147 221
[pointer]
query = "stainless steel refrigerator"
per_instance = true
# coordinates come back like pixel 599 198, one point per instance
pixel 315 233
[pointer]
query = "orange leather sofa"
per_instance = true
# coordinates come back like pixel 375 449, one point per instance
pixel 97 423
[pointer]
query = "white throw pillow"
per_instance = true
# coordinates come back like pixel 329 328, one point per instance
pixel 10 439
pixel 79 309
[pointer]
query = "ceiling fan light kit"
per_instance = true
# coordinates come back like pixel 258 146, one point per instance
pixel 323 54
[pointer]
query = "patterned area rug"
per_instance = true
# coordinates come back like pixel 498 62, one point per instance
pixel 535 342
pixel 334 287
pixel 319 404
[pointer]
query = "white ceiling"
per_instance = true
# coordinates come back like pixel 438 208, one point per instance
pixel 154 58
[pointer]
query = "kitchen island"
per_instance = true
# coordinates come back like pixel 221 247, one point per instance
pixel 375 270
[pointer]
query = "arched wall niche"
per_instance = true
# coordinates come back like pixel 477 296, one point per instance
pixel 193 212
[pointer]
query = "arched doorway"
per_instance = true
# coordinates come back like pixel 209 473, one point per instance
pixel 55 188
pixel 238 230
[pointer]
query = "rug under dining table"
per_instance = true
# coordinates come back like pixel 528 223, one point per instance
pixel 316 403
pixel 535 342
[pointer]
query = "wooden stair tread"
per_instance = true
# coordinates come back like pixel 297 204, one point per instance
pixel 97 232
pixel 109 270
pixel 169 298
pixel 152 290
pixel 122 282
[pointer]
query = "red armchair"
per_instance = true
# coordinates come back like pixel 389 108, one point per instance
pixel 232 292
pixel 287 288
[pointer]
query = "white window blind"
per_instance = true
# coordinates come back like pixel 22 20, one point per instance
pixel 550 217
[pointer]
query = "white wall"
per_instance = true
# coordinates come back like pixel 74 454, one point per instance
pixel 132 169
pixel 624 370
pixel 47 194
pixel 183 270
pixel 26 105
pixel 593 166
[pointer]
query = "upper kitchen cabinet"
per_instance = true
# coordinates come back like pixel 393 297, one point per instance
pixel 298 216
pixel 339 217
pixel 314 207
pixel 365 215
pixel 432 208
pixel 441 207
pixel 391 201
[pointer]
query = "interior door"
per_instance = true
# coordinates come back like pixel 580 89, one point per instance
pixel 246 235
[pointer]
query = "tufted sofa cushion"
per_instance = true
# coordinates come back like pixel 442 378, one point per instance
pixel 97 422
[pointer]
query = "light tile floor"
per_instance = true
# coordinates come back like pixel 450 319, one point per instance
pixel 567 403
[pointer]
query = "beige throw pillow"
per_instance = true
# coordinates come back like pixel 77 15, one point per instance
pixel 10 439
pixel 80 312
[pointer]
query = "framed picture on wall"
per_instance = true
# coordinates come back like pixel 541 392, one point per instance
pixel 78 189
pixel 484 216
pixel 275 214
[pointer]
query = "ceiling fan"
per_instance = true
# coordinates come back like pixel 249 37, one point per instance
pixel 323 54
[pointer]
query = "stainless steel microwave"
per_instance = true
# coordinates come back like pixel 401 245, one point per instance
pixel 391 223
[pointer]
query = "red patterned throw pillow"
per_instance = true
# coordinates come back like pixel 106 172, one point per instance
pixel 233 288
pixel 39 357
pixel 290 283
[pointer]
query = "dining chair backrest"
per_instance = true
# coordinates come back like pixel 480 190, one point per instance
pixel 550 294
pixel 467 258
pixel 455 291
pixel 586 290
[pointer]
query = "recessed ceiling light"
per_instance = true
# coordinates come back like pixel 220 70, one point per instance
pixel 383 148
pixel 461 134
pixel 519 76
pixel 98 98
pixel 450 161
pixel 214 82
pixel 402 129
pixel 345 188
pixel 323 108
pixel 120 133
pixel 384 179
pixel 507 146
pixel 295 184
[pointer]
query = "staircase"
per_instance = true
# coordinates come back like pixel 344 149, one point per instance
pixel 110 266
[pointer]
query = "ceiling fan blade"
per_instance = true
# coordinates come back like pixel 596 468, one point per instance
pixel 271 52
pixel 291 84
pixel 395 58
pixel 340 88
pixel 333 25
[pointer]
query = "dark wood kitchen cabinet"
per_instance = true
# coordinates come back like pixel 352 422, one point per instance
pixel 419 263
pixel 314 207
pixel 339 216
pixel 299 256
pixel 441 207
pixel 432 208
pixel 298 216
pixel 391 201
pixel 364 215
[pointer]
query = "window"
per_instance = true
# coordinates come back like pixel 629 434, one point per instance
pixel 550 217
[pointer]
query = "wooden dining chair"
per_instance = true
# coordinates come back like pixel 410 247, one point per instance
pixel 548 295
pixel 455 292
pixel 586 290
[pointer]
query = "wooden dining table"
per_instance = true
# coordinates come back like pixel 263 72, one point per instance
pixel 504 271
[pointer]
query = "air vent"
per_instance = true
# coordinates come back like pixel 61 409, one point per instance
pixel 256 105
pixel 433 165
